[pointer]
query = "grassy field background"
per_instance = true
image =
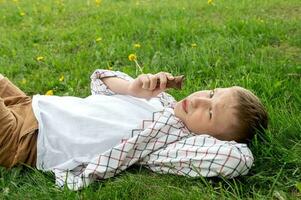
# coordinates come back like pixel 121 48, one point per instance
pixel 56 45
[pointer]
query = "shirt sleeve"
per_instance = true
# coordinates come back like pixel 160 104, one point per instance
pixel 201 155
pixel 99 87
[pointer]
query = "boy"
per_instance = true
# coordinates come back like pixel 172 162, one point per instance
pixel 64 132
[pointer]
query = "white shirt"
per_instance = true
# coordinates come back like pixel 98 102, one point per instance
pixel 73 130
pixel 162 143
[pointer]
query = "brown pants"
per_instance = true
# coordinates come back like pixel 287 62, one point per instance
pixel 18 126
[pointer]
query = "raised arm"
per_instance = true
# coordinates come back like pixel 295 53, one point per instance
pixel 144 86
pixel 97 84
pixel 117 85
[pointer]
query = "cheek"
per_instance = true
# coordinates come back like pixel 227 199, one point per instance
pixel 199 115
pixel 196 122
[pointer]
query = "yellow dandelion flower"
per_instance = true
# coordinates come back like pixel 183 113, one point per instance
pixel 62 78
pixel 137 45
pixel 49 93
pixel 22 14
pixel 40 58
pixel 24 81
pixel 98 39
pixel 98 2
pixel 132 57
pixel 193 45
pixel 210 2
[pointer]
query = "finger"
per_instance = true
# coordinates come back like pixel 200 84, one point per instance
pixel 170 76
pixel 145 81
pixel 163 81
pixel 153 81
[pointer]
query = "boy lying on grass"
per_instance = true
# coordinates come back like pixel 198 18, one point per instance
pixel 127 121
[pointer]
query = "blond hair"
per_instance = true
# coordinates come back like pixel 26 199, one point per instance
pixel 251 114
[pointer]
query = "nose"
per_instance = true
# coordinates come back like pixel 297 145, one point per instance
pixel 200 101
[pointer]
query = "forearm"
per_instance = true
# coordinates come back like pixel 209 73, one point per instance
pixel 144 86
pixel 117 85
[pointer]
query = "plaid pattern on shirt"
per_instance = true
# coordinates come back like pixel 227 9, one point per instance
pixel 162 144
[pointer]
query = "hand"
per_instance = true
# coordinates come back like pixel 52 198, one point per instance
pixel 149 85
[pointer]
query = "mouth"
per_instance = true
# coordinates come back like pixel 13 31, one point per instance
pixel 184 105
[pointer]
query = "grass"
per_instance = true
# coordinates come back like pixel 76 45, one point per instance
pixel 251 43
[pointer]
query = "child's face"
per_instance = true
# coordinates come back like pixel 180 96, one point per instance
pixel 209 112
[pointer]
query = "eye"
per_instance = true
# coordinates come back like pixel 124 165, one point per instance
pixel 211 93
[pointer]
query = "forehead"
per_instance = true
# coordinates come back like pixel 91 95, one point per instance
pixel 228 93
pixel 223 106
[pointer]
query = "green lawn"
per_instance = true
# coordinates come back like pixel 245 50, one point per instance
pixel 252 43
